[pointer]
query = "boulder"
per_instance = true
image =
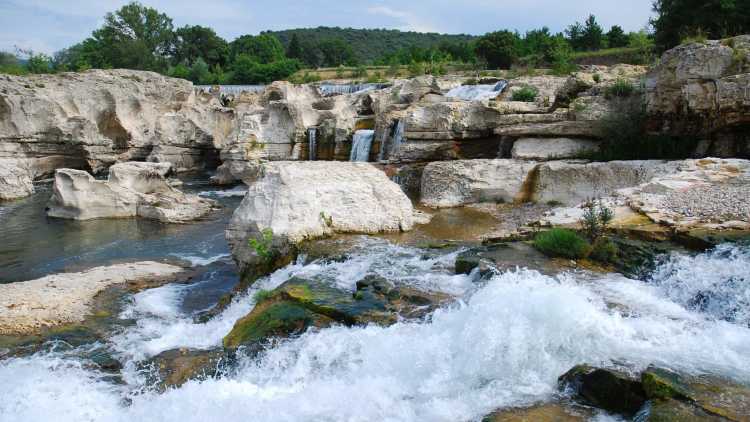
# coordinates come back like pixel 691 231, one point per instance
pixel 300 304
pixel 606 389
pixel 552 412
pixel 133 189
pixel 310 199
pixel 28 306
pixel 95 118
pixel 15 179
pixel 455 183
pixel 544 149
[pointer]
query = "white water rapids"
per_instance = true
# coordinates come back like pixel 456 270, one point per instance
pixel 504 344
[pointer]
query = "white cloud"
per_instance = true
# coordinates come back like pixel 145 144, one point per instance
pixel 409 22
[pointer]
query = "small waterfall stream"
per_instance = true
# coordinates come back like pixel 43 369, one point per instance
pixel 477 92
pixel 395 136
pixel 361 145
pixel 312 139
pixel 328 90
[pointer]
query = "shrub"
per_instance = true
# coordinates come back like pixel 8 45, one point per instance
pixel 264 245
pixel 621 89
pixel 604 250
pixel 526 94
pixel 596 218
pixel 562 243
pixel 597 77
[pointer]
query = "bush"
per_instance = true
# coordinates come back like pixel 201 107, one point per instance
pixel 526 94
pixel 596 218
pixel 562 243
pixel 604 250
pixel 263 246
pixel 620 89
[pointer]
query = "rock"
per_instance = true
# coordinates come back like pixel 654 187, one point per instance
pixel 570 182
pixel 299 304
pixel 15 179
pixel 456 183
pixel 176 367
pixel 95 118
pixel 713 396
pixel 307 200
pixel 606 389
pixel 552 412
pixel 28 306
pixel 503 256
pixel 133 189
pixel 544 149
pixel 677 411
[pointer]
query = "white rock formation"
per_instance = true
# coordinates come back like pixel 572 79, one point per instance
pixel 305 200
pixel 455 183
pixel 15 179
pixel 28 306
pixel 133 189
pixel 544 149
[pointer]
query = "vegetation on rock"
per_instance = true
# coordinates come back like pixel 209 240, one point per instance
pixel 562 243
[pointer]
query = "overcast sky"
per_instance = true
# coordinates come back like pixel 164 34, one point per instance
pixel 49 25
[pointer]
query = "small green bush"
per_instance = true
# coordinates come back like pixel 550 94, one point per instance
pixel 596 218
pixel 264 245
pixel 526 94
pixel 562 243
pixel 604 250
pixel 262 295
pixel 597 77
pixel 620 89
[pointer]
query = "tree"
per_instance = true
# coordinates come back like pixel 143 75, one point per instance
pixel 677 19
pixel 135 37
pixel 262 48
pixel 294 50
pixel 194 42
pixel 499 49
pixel 336 52
pixel 592 34
pixel 200 72
pixel 616 37
pixel 575 36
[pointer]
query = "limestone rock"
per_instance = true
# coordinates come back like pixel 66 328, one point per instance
pixel 133 189
pixel 607 389
pixel 15 179
pixel 95 118
pixel 543 149
pixel 456 183
pixel 310 199
pixel 26 307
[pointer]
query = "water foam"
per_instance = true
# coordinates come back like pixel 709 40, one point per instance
pixel 504 345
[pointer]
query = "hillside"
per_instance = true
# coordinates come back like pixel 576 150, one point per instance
pixel 370 44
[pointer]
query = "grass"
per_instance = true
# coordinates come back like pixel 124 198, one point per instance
pixel 262 295
pixel 562 243
pixel 620 89
pixel 605 52
pixel 526 94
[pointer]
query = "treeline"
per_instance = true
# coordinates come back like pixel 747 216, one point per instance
pixel 140 37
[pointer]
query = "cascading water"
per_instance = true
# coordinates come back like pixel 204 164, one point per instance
pixel 312 139
pixel 328 90
pixel 477 92
pixel 396 137
pixel 503 344
pixel 231 89
pixel 361 145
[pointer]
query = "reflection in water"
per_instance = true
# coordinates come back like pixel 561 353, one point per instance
pixel 33 245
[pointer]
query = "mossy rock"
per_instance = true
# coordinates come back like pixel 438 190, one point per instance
pixel 606 389
pixel 701 240
pixel 676 411
pixel 178 366
pixel 714 396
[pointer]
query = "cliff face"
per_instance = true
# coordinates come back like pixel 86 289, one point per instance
pixel 703 89
pixel 93 119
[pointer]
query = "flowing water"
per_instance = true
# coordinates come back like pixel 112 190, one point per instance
pixel 328 89
pixel 503 343
pixel 477 92
pixel 361 145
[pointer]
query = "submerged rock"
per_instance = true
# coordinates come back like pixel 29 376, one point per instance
pixel 606 389
pixel 133 189
pixel 299 304
pixel 28 306
pixel 176 367
pixel 552 412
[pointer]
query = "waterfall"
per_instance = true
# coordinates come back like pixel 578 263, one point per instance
pixel 398 137
pixel 328 90
pixel 231 89
pixel 312 139
pixel 477 92
pixel 361 144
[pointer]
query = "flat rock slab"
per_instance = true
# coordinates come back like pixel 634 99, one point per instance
pixel 28 306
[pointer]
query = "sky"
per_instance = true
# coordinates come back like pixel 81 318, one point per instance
pixel 49 25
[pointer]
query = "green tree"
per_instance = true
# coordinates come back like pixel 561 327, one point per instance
pixel 135 37
pixel 294 49
pixel 498 49
pixel 262 48
pixel 593 34
pixel 194 42
pixel 179 71
pixel 200 72
pixel 9 64
pixel 575 36
pixel 616 37
pixel 677 19
pixel 39 63
pixel 336 52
